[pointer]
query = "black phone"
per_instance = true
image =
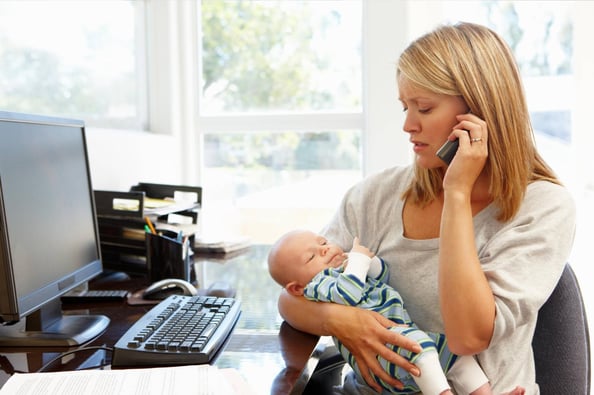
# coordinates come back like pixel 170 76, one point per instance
pixel 447 151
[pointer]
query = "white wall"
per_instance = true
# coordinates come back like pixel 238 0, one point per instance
pixel 386 144
pixel 119 159
pixel 168 154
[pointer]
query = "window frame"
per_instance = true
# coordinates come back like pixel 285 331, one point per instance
pixel 172 34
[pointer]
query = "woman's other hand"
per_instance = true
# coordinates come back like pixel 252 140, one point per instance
pixel 365 334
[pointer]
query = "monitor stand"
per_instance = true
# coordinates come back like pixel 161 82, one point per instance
pixel 48 327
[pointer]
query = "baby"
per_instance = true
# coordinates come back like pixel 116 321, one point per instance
pixel 304 263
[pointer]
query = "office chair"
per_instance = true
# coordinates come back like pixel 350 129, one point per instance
pixel 561 340
pixel 561 346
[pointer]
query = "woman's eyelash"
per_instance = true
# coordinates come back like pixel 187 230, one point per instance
pixel 421 110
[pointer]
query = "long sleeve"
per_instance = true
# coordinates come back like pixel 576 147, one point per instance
pixel 332 285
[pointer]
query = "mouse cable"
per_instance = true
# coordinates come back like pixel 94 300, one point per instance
pixel 66 353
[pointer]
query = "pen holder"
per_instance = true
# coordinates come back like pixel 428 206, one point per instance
pixel 168 257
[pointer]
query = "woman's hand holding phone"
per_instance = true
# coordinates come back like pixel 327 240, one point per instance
pixel 448 150
pixel 473 143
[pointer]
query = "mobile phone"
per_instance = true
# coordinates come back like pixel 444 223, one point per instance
pixel 447 151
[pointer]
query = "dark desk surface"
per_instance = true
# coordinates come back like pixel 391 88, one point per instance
pixel 268 353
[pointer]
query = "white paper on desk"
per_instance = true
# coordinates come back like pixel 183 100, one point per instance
pixel 187 380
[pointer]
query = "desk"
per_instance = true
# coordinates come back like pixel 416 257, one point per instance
pixel 268 353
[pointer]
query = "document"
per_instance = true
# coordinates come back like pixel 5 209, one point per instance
pixel 186 380
pixel 223 245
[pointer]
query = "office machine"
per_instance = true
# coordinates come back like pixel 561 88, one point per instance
pixel 48 232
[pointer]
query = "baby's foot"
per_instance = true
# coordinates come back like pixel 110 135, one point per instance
pixel 516 391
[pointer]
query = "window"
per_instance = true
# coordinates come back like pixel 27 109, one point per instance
pixel 74 59
pixel 280 113
pixel 541 36
pixel 269 56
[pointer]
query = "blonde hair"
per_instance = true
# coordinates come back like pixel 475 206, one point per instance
pixel 473 62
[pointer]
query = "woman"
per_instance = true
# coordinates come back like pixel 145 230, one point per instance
pixel 474 247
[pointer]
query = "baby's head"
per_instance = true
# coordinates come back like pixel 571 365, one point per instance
pixel 298 256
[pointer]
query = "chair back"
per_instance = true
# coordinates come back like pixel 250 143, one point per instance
pixel 561 341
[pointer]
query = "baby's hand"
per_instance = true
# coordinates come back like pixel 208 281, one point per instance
pixel 357 247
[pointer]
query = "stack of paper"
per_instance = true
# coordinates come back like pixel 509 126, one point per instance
pixel 221 244
pixel 194 379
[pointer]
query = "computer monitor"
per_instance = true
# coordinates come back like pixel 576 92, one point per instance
pixel 48 231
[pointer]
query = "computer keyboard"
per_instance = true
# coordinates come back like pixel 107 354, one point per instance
pixel 95 295
pixel 180 330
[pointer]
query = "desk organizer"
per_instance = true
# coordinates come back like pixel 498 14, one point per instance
pixel 168 256
pixel 121 220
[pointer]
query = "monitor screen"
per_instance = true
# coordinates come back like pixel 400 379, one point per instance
pixel 48 231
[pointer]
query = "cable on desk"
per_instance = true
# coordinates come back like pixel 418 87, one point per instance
pixel 7 366
pixel 64 354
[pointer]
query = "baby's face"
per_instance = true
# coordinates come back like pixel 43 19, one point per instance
pixel 311 254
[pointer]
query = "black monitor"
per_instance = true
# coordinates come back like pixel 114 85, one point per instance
pixel 48 231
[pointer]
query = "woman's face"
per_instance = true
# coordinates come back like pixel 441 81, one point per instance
pixel 430 118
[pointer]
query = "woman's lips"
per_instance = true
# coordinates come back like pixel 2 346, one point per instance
pixel 418 147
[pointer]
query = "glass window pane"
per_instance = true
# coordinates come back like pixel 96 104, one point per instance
pixel 281 56
pixel 264 184
pixel 72 59
pixel 273 58
pixel 540 34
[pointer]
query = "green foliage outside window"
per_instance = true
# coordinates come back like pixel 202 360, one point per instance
pixel 261 57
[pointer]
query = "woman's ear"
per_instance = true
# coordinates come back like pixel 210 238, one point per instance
pixel 294 288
